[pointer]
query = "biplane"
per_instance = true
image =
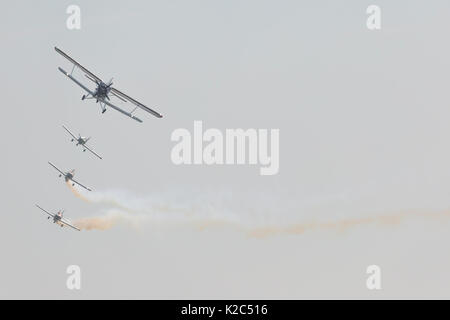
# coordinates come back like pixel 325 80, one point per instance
pixel 104 91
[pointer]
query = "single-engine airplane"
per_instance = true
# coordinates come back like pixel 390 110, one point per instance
pixel 81 141
pixel 58 218
pixel 68 176
pixel 103 91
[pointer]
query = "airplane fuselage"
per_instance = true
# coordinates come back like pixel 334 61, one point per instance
pixel 57 219
pixel 102 91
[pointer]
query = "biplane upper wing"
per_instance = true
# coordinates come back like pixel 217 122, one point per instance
pixel 90 74
pixel 137 103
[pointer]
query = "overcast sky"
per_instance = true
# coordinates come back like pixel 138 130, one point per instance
pixel 364 156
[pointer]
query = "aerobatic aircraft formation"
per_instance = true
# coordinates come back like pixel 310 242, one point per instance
pixel 102 94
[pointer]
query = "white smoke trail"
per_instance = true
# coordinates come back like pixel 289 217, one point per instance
pixel 257 214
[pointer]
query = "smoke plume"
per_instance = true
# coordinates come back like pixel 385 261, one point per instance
pixel 257 215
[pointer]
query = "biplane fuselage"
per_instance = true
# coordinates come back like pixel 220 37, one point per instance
pixel 102 91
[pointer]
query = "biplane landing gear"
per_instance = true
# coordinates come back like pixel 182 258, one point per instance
pixel 83 97
pixel 103 111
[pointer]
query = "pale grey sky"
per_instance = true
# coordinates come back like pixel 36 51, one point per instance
pixel 363 118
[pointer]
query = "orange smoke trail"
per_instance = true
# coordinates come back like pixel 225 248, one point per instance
pixel 342 225
pixel 96 223
pixel 76 192
pixel 108 221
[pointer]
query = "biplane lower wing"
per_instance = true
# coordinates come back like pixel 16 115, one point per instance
pixel 76 81
pixel 128 114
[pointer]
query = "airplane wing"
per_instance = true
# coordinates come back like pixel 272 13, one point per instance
pixel 118 97
pixel 67 223
pixel 56 168
pixel 89 189
pixel 92 151
pixel 128 114
pixel 70 132
pixel 76 81
pixel 50 214
pixel 90 74
pixel 118 93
